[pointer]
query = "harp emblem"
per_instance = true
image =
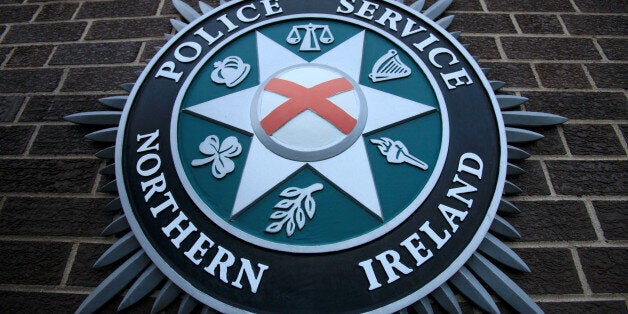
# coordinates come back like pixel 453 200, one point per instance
pixel 389 67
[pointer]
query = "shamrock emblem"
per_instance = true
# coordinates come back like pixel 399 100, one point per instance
pixel 219 155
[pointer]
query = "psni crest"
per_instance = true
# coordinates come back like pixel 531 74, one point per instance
pixel 295 153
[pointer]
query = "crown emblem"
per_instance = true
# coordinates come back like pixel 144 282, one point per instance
pixel 231 71
pixel 389 67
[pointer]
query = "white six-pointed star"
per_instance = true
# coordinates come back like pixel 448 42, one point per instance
pixel 348 170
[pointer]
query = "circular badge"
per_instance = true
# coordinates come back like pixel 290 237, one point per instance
pixel 277 155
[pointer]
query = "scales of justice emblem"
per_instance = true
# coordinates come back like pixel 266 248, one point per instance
pixel 274 157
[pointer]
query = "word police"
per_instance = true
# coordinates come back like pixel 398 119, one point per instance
pixel 443 59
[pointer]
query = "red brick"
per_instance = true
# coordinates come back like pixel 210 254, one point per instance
pixel 614 48
pixel 553 75
pixel 17 14
pixel 169 8
pixel 99 79
pixel 45 32
pixel 609 75
pixel 65 140
pixel 485 47
pixel 54 108
pixel 613 217
pixel 606 6
pixel 539 24
pixel 586 139
pixel 26 81
pixel 135 28
pixel 33 302
pixel 9 106
pixel 47 176
pixel 598 307
pixel 514 74
pixel 96 53
pixel 468 5
pixel 118 8
pixel 143 306
pixel 553 272
pixel 4 51
pixel 589 177
pixel 596 24
pixel 29 56
pixel 548 48
pixel 553 221
pixel 149 49
pixel 579 105
pixel 83 273
pixel 533 181
pixel 483 23
pixel 33 263
pixel 57 12
pixel 530 5
pixel 14 139
pixel 605 269
pixel 551 144
pixel 54 216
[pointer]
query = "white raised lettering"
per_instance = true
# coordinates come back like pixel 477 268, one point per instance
pixel 227 22
pixel 463 167
pixel 391 261
pixel 224 264
pixel 407 30
pixel 243 18
pixel 437 51
pixel 457 77
pixel 170 202
pixel 177 224
pixel 370 274
pixel 367 8
pixel 432 234
pixel 271 8
pixel 346 7
pixel 199 247
pixel 145 159
pixel 167 70
pixel 392 17
pixel 157 184
pixel 451 213
pixel 253 279
pixel 428 41
pixel 209 38
pixel 416 250
pixel 466 188
pixel 178 53
pixel 151 138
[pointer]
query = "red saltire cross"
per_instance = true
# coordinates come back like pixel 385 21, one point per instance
pixel 314 98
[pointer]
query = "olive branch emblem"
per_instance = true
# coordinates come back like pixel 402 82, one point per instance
pixel 291 211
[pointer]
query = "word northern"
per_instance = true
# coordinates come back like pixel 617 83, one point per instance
pixel 180 229
pixel 426 43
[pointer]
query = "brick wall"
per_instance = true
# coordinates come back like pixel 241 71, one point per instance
pixel 57 57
